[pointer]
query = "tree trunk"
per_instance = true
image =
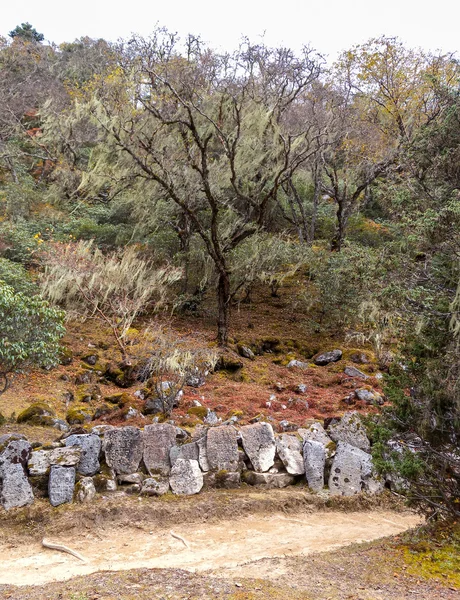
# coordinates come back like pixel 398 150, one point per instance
pixel 339 235
pixel 223 303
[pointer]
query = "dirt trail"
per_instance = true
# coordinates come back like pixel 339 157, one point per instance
pixel 228 546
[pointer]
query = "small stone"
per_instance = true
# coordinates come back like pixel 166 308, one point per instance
pixel 211 418
pixel 246 352
pixel 297 364
pixel 186 477
pixel 61 484
pixel 85 490
pixel 328 357
pixel 350 429
pixel 301 388
pixel 354 372
pixel 269 480
pixel 155 486
pixel 131 478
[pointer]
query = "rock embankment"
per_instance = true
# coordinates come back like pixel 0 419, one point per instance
pixel 162 458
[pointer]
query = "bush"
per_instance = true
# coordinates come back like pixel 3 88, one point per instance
pixel 17 277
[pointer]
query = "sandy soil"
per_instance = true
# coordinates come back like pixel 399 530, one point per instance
pixel 226 548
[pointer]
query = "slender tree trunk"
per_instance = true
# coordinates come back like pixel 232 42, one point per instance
pixel 339 235
pixel 223 303
pixel 316 197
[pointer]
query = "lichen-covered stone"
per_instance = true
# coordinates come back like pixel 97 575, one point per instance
pixel 85 490
pixel 350 429
pixel 259 445
pixel 289 449
pixel 186 477
pixel 61 485
pixel 185 451
pixel 15 489
pixel 159 438
pixel 155 486
pixel 328 357
pixel 90 446
pixel 123 448
pixel 35 412
pixel 354 372
pixel 222 448
pixel 352 472
pixel 315 459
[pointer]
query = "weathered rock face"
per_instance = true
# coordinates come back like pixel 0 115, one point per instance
pixel 222 448
pixel 315 459
pixel 351 472
pixel 350 429
pixel 203 454
pixel 270 480
pixel 155 486
pixel 61 484
pixel 123 449
pixel 259 445
pixel 289 449
pixel 15 489
pixel 41 460
pixel 90 446
pixel 159 438
pixel 328 357
pixel 186 477
pixel 354 372
pixel 85 490
pixel 317 433
pixel 185 451
pixel 222 479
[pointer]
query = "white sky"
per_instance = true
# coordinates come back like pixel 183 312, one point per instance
pixel 328 25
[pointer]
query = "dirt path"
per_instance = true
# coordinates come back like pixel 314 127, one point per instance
pixel 227 547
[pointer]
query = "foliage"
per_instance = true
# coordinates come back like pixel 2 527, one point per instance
pixel 30 332
pixel 113 288
pixel 14 275
pixel 26 32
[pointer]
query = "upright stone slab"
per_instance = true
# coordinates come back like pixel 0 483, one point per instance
pixel 90 445
pixel 159 438
pixel 317 433
pixel 315 459
pixel 289 449
pixel 15 489
pixel 123 449
pixel 85 490
pixel 222 448
pixel 186 477
pixel 352 472
pixel 350 429
pixel 259 444
pixel 61 484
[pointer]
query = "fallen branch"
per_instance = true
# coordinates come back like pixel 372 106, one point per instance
pixel 178 537
pixel 52 546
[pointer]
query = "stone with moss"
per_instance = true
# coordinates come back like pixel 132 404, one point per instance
pixel 35 411
pixel 198 411
pixel 78 416
pixel 119 398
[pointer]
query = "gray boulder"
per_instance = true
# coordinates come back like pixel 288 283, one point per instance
pixel 369 396
pixel 90 446
pixel 159 439
pixel 41 460
pixel 246 352
pixel 269 480
pixel 186 477
pixel 297 364
pixel 354 372
pixel 317 433
pixel 85 490
pixel 61 484
pixel 222 448
pixel 289 449
pixel 123 448
pixel 350 429
pixel 259 445
pixel 352 472
pixel 155 486
pixel 315 459
pixel 328 357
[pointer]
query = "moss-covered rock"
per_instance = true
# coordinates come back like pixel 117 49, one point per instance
pixel 66 356
pixel 35 411
pixel 2 419
pixel 120 398
pixel 198 411
pixel 86 393
pixel 78 416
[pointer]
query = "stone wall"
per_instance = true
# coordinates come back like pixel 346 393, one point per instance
pixel 162 457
